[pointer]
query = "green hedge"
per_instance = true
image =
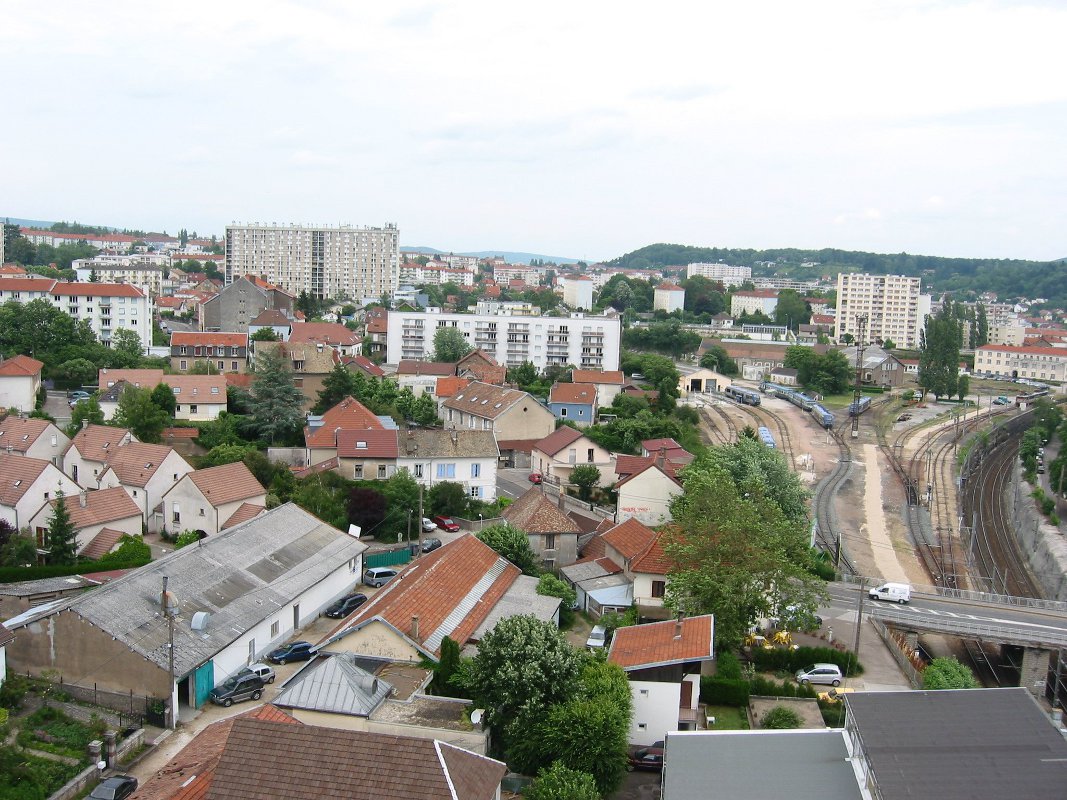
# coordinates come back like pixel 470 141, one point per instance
pixel 770 688
pixel 792 660
pixel 728 666
pixel 717 691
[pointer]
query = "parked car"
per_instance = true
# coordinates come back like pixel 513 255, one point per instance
pixel 77 397
pixel 820 673
pixel 893 592
pixel 428 525
pixel 379 576
pixel 264 671
pixel 597 637
pixel 646 758
pixel 114 788
pixel 242 686
pixel 446 524
pixel 346 605
pixel 429 545
pixel 294 651
pixel 536 477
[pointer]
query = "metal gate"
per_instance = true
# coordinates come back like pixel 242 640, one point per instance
pixel 204 679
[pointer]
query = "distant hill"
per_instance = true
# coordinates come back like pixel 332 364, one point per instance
pixel 29 223
pixel 512 256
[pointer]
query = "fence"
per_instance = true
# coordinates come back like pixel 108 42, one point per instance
pixel 132 708
pixel 913 675
pixel 390 558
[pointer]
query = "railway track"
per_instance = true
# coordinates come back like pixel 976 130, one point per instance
pixel 713 415
pixel 828 533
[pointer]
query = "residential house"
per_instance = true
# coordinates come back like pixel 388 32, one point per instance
pixel 107 307
pixel 599 584
pixel 233 308
pixel 321 433
pixel 365 455
pixel 574 402
pixel 277 321
pixel 99 518
pixel 448 386
pixel 20 381
pixel 784 376
pixel 198 398
pixel 701 381
pixel 226 352
pixel 146 472
pixel 6 638
pixel 206 499
pixel 20 596
pixel 608 383
pixel 878 368
pixel 552 533
pixel 363 364
pixel 646 487
pixel 26 484
pixel 86 457
pixel 564 449
pixel 511 414
pixel 311 363
pixel 466 457
pixel 141 378
pixel 331 334
pixel 376 332
pixel 668 447
pixel 36 438
pixel 478 365
pixel 236 596
pixel 461 590
pixel 663 662
pixel 421 376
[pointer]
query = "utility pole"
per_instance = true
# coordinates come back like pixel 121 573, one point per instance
pixel 170 649
pixel 419 554
pixel 859 620
pixel 861 325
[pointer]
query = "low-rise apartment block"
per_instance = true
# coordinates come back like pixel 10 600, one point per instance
pixel 728 274
pixel 227 352
pixel 1036 363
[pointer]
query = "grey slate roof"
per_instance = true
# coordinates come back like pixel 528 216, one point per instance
pixel 241 576
pixel 428 443
pixel 337 685
pixel 64 583
pixel 520 598
pixel 804 763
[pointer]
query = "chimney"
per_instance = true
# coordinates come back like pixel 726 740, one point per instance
pixel 415 626
pixel 455 436
pixel 83 498
pixel 85 424
pixel 562 500
pixel 661 458
pixel 678 628
pixel 336 436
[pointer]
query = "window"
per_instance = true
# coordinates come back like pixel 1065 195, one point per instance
pixel 251 650
pixel 418 470
pixel 658 588
pixel 476 470
pixel 201 511
pixel 274 629
pixel 192 409
pixel 550 541
pixel 183 365
pixel 233 366
pixel 563 411
pixel 221 365
pixel 176 514
pixel 476 491
pixel 381 472
pixel 357 472
pixel 589 455
pixel 446 470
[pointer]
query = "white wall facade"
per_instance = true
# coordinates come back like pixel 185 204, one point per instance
pixel 751 303
pixel 48 483
pixel 84 471
pixel 195 512
pixel 647 498
pixel 197 412
pixel 477 475
pixel 578 293
pixel 727 273
pixel 19 391
pixel 173 469
pixel 892 304
pixel 108 309
pixel 50 445
pixel 669 300
pixel 582 341
pixel 655 710
pixel 85 535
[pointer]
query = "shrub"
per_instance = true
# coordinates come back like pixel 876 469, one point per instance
pixel 780 718
pixel 718 691
pixel 792 660
pixel 13 690
pixel 768 688
pixel 728 666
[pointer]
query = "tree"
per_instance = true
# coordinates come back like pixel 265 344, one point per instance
pixel 336 386
pixel 186 538
pixel 716 358
pixel 791 309
pixel 140 414
pixel 446 668
pixel 828 373
pixel 939 354
pixel 87 412
pixel 585 477
pixel 523 667
pixel 559 782
pixel 449 499
pixel 735 553
pixel 62 538
pixel 265 335
pixel 512 544
pixel 203 367
pixel 780 717
pixel 948 673
pixel 76 372
pixel 889 344
pixel 449 345
pixel 275 401
pixel 523 375
pixel 980 329
pixel 551 586
pixel 963 386
pixel 366 509
pixel 127 344
pixel 163 397
pixel 703 296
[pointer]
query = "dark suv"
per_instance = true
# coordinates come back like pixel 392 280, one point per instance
pixel 294 651
pixel 346 605
pixel 243 686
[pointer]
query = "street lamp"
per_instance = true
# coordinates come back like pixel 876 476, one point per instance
pixel 479 521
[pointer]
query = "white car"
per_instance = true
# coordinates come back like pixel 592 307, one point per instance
pixel 597 637
pixel 428 525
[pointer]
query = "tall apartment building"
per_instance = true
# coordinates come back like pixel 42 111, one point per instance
pixel 727 273
pixel 893 305
pixel 578 292
pixel 357 262
pixel 581 341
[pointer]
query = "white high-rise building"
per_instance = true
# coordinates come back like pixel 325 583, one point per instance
pixel 727 273
pixel 582 341
pixel 578 292
pixel 357 262
pixel 892 304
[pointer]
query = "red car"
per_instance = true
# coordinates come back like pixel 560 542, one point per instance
pixel 446 524
pixel 535 477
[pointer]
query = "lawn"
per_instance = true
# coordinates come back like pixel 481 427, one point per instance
pixel 728 718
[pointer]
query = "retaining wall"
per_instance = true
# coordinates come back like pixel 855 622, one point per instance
pixel 1040 542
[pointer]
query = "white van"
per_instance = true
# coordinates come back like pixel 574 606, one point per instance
pixel 893 592
pixel 597 637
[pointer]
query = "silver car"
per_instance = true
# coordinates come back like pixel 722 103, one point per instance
pixel 821 673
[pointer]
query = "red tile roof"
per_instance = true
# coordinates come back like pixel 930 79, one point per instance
pixel 654 560
pixel 11 269
pixel 102 544
pixel 17 474
pixel 365 364
pixel 413 367
pixel 331 333
pixel 180 433
pixel 20 365
pixel 349 414
pixel 611 377
pixel 669 468
pixel 96 442
pixel 136 462
pixel 96 290
pixel 144 378
pixel 434 587
pixel 661 643
pixel 20 433
pixel 1004 348
pixel 198 388
pixel 244 512
pixel 533 512
pixel 226 484
pixel 27 284
pixel 630 538
pixel 580 393
pixel 558 439
pixel 210 339
pixel 757 293
pixel 101 506
pixel 448 385
pixel 370 443
pixel 670 287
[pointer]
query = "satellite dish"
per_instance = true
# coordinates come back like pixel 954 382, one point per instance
pixel 200 619
pixel 476 716
pixel 354 531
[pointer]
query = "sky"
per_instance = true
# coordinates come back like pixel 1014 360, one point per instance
pixel 580 129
